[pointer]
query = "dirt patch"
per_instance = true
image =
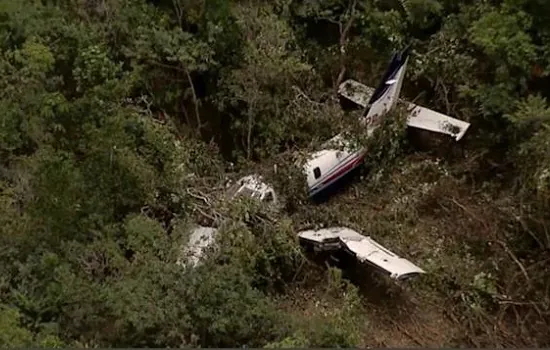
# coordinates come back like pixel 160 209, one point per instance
pixel 419 323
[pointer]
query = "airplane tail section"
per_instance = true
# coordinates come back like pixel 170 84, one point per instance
pixel 385 96
pixel 418 116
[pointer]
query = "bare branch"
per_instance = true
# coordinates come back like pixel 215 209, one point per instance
pixel 516 260
pixel 343 41
pixel 195 101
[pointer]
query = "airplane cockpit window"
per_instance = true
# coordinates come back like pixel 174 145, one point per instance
pixel 317 172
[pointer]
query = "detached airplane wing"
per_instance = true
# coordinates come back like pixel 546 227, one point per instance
pixel 363 248
pixel 419 117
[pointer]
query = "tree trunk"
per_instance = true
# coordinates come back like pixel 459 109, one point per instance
pixel 344 30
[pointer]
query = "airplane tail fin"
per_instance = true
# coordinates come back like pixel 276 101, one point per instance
pixel 385 96
pixel 378 101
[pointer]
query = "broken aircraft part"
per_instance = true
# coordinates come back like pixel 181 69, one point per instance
pixel 328 166
pixel 364 248
pixel 419 117
pixel 200 239
pixel 253 186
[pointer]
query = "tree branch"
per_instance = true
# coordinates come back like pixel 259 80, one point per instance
pixel 344 30
pixel 195 101
pixel 179 12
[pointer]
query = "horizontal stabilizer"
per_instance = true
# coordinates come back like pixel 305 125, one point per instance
pixel 356 92
pixel 419 117
pixel 365 249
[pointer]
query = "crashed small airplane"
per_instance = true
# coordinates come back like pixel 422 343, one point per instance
pixel 327 166
pixel 333 240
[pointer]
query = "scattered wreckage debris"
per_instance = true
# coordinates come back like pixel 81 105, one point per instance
pixel 330 164
pixel 253 186
pixel 201 237
pixel 337 239
pixel 363 248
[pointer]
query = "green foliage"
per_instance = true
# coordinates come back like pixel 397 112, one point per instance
pixel 336 328
pixel 421 12
pixel 531 115
pixel 264 246
pixel 386 144
pixel 105 109
pixel 226 309
pixel 531 129
pixel 342 327
pixel 12 334
pixel 93 67
pixel 388 141
pixel 266 85
pixel 288 180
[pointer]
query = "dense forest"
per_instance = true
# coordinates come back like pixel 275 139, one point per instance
pixel 123 120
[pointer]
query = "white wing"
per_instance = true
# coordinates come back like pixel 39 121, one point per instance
pixel 365 249
pixel 427 119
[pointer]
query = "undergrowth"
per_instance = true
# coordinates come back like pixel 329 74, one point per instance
pixel 481 275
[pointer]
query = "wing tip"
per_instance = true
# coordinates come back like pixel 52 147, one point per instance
pixel 462 132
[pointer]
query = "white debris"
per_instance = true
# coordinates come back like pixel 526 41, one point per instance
pixel 365 249
pixel 253 186
pixel 355 92
pixel 200 239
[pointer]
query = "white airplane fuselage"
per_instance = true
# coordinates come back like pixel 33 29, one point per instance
pixel 326 167
pixel 329 165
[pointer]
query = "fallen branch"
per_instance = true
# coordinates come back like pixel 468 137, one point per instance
pixel 203 213
pixel 199 196
pixel 407 333
pixel 299 92
pixel 516 260
pixel 469 212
